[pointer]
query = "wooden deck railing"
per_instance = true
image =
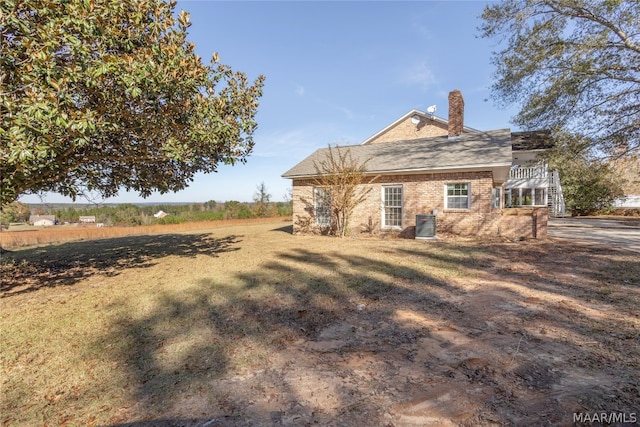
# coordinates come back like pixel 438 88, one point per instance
pixel 529 172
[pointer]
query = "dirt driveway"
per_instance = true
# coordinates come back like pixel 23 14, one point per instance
pixel 619 233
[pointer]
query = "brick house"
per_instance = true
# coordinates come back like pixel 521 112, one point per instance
pixel 422 164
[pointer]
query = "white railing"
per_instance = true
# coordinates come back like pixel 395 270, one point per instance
pixel 558 208
pixel 536 178
pixel 529 173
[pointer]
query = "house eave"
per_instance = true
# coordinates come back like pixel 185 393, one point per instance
pixel 535 150
pixel 493 167
pixel 441 169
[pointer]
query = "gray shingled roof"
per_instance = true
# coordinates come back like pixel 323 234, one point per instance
pixel 485 149
pixel 532 140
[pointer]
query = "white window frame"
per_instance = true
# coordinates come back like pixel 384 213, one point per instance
pixel 496 198
pixel 446 196
pixel 516 194
pixel 384 207
pixel 322 219
pixel 545 195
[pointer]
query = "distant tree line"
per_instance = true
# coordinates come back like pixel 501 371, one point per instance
pixel 131 214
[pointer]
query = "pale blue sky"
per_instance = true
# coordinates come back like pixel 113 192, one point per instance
pixel 336 72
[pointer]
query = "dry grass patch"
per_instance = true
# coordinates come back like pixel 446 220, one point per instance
pixel 249 325
pixel 30 236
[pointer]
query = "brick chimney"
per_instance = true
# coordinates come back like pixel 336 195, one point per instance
pixel 456 113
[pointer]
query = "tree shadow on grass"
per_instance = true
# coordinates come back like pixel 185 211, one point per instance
pixel 218 332
pixel 286 229
pixel 66 264
pixel 375 339
pixel 214 422
pixel 548 267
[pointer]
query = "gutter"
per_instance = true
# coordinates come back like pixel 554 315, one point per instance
pixel 442 169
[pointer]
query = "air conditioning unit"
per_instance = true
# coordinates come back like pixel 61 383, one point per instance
pixel 425 227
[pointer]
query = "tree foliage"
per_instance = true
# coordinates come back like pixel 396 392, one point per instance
pixel 628 169
pixel 14 212
pixel 132 215
pixel 589 184
pixel 261 199
pixel 102 95
pixel 342 177
pixel 574 65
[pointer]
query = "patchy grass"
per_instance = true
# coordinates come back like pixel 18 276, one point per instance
pixel 249 325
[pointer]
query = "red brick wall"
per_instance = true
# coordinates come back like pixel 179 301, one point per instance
pixel 421 195
pixel 456 113
pixel 406 130
pixel 530 223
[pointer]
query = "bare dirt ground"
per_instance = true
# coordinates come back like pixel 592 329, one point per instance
pixel 527 342
pixel 379 332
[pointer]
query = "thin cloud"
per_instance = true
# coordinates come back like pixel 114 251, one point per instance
pixel 290 143
pixel 423 30
pixel 347 112
pixel 419 74
pixel 300 90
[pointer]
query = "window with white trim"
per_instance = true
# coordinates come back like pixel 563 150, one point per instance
pixel 457 196
pixel 540 198
pixel 322 207
pixel 536 196
pixel 392 204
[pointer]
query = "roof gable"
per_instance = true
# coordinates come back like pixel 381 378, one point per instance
pixel 406 127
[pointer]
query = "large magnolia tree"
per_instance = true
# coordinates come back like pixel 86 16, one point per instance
pixel 103 95
pixel 572 65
